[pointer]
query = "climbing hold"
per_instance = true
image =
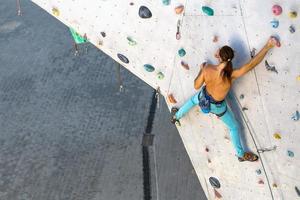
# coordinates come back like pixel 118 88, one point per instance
pixel 290 153
pixel 77 37
pixel 149 68
pixel 160 75
pixel 258 171
pixel 131 3
pixel 275 23
pixel 206 149
pixel 181 52
pixel 217 194
pixel 144 12
pixel 179 9
pixel 185 65
pixel 171 98
pixel 166 2
pixel 293 14
pixel 297 191
pixel 209 161
pixel 270 68
pixel 261 182
pixel 244 108
pixel 298 78
pixel 215 39
pixel 55 11
pixel 123 58
pixel 131 42
pixel 207 10
pixel 277 10
pixel 214 182
pixel 292 29
pixel 252 52
pixel 103 34
pixel 274 185
pixel 296 116
pixel 277 136
pixel 242 96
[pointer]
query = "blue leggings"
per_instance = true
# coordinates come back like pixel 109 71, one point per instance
pixel 227 118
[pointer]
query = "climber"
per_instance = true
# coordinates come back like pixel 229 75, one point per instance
pixel 218 80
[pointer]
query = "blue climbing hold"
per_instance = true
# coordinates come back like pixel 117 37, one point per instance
pixel 207 10
pixel 214 182
pixel 181 52
pixel 275 23
pixel 166 2
pixel 149 68
pixel 296 116
pixel 258 171
pixel 290 153
pixel 144 12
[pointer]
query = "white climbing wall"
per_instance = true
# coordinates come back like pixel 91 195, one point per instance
pixel 270 98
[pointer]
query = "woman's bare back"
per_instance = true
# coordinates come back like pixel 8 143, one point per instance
pixel 216 86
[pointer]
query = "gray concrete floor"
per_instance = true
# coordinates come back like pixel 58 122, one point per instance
pixel 66 133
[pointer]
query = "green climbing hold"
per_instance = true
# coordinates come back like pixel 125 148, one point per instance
pixel 160 75
pixel 149 68
pixel 131 41
pixel 77 38
pixel 207 10
pixel 166 2
pixel 290 153
pixel 181 52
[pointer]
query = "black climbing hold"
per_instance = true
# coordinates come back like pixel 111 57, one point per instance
pixel 270 68
pixel 244 108
pixel 214 182
pixel 144 12
pixel 297 191
pixel 103 34
pixel 242 96
pixel 292 29
pixel 123 58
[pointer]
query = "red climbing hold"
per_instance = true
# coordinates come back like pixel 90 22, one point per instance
pixel 277 10
pixel 206 149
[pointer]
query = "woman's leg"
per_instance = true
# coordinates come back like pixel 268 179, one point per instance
pixel 187 106
pixel 229 119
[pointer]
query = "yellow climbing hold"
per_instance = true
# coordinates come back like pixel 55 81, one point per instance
pixel 293 14
pixel 298 78
pixel 277 136
pixel 55 11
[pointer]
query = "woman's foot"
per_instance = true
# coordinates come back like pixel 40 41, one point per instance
pixel 173 118
pixel 248 156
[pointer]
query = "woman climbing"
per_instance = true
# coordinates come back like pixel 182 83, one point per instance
pixel 218 80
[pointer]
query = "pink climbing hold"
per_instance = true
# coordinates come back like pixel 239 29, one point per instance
pixel 217 194
pixel 261 182
pixel 277 10
pixel 185 65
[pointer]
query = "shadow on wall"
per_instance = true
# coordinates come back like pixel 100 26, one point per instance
pixel 241 51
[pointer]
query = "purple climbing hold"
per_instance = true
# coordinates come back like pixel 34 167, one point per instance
pixel 123 58
pixel 214 182
pixel 292 29
pixel 144 12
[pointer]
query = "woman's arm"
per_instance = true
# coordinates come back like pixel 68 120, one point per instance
pixel 256 60
pixel 199 80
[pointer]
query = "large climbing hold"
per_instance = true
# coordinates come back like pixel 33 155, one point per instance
pixel 207 10
pixel 144 12
pixel 277 10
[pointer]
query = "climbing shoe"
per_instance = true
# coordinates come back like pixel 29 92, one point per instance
pixel 173 117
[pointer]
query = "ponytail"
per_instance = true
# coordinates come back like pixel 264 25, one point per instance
pixel 226 53
pixel 227 71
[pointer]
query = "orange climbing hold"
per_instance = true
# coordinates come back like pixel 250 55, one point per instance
pixel 55 11
pixel 171 98
pixel 277 136
pixel 179 9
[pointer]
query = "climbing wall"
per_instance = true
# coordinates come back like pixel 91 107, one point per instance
pixel 164 42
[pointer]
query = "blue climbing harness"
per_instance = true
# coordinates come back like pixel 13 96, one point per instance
pixel 206 99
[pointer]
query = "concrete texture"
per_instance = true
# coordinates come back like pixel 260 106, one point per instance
pixel 66 133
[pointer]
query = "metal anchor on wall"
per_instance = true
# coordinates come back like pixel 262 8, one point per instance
pixel 18 8
pixel 262 150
